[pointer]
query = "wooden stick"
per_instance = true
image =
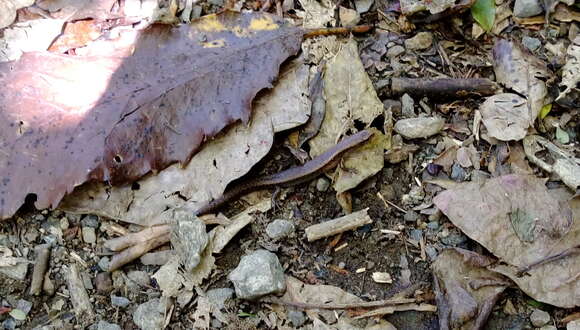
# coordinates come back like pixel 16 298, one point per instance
pixel 123 242
pixel 78 296
pixel 442 88
pixel 339 225
pixel 336 31
pixel 135 251
pixel 40 267
pixel 364 304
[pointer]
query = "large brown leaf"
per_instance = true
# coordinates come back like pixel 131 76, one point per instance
pixel 65 120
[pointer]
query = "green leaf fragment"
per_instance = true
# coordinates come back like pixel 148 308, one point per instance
pixel 483 11
pixel 18 315
pixel 562 136
pixel 545 110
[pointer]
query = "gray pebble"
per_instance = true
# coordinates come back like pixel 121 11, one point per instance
pixel 411 216
pixel 120 301
pixel 90 221
pixel 218 297
pixel 527 8
pixel 532 44
pixel 322 184
pixel 395 51
pixel 433 225
pixel 104 325
pixel 407 106
pixel 89 235
pixel 279 228
pixel 416 234
pixel 413 128
pixel 258 274
pixel 539 318
pixel 297 318
pixel 431 252
pixel 104 264
pixel 458 173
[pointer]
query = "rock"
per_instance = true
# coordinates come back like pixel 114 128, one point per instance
pixel 104 263
pixel 539 318
pixel 104 325
pixel 532 44
pixel 120 301
pixel 89 235
pixel 407 106
pixel 218 297
pixel 322 184
pixel 362 6
pixel 258 274
pixel 573 325
pixel 348 17
pixel 458 173
pixel 395 51
pixel 140 277
pixel 188 237
pixel 24 305
pixel 90 221
pixel 431 252
pixel 433 225
pixel 527 8
pixel 104 283
pixel 416 234
pixel 9 324
pixel 411 216
pixel 64 224
pixel 297 318
pixel 414 128
pixel 421 40
pixel 279 228
pixel 16 272
pixel 150 315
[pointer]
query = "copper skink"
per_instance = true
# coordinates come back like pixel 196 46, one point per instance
pixel 291 176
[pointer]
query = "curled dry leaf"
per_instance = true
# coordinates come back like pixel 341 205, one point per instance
pixel 506 116
pixel 565 165
pixel 134 114
pixel 521 71
pixel 29 36
pixel 220 161
pixel 518 220
pixel 461 301
pixel 570 96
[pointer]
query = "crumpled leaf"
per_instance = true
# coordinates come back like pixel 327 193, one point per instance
pixel 506 116
pixel 521 71
pixel 570 96
pixel 361 163
pixel 483 11
pixel 350 96
pixel 409 7
pixel 76 34
pixel 521 222
pixel 169 278
pixel 18 314
pixel 131 115
pixel 565 165
pixel 220 161
pixel 465 290
pixel 317 14
pixel 74 10
pixel 29 36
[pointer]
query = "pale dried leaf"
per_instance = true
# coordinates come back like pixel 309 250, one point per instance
pixel 29 36
pixel 361 163
pixel 506 116
pixel 317 14
pixel 571 76
pixel 168 277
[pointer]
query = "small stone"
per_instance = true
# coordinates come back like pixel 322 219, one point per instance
pixel 150 315
pixel 90 221
pixel 362 6
pixel 140 277
pixel 103 283
pixel 527 8
pixel 64 224
pixel 120 301
pixel 454 239
pixel 24 305
pixel 413 128
pixel 411 216
pixel 433 225
pixel 279 229
pixel 458 173
pixel 548 327
pixel 104 264
pixel 407 106
pixel 341 265
pixel 188 237
pixel 16 272
pixel 573 325
pixel 431 252
pixel 421 40
pixel 395 51
pixel 532 44
pixel 322 184
pixel 218 297
pixel 258 274
pixel 297 318
pixel 348 17
pixel 539 318
pixel 416 234
pixel 104 325
pixel 9 324
pixel 89 235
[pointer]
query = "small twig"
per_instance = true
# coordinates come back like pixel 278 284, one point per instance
pixel 364 304
pixel 336 31
pixel 136 251
pixel 386 201
pixel 40 267
pixel 337 226
pixel 79 296
pixel 123 242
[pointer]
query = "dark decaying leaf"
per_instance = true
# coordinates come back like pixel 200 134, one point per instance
pixel 465 290
pixel 65 120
